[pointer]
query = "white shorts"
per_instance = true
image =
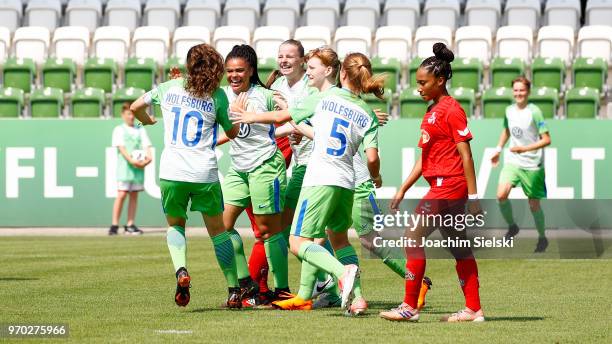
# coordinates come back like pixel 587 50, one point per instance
pixel 129 186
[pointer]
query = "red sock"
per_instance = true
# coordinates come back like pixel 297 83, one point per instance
pixel 415 270
pixel 467 270
pixel 258 263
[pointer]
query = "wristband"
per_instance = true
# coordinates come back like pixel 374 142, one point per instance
pixel 473 197
pixel 498 149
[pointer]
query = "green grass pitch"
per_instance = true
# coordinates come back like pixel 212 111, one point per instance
pixel 121 289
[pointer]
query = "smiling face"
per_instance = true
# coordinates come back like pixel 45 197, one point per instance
pixel 428 86
pixel 289 60
pixel 128 117
pixel 238 74
pixel 317 72
pixel 520 93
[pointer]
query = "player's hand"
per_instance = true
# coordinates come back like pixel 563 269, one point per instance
pixel 240 103
pixel 238 116
pixel 377 181
pixel 495 159
pixel 295 137
pixel 518 149
pixel 473 207
pixel 280 101
pixel 138 164
pixel 383 117
pixel 396 200
pixel 174 73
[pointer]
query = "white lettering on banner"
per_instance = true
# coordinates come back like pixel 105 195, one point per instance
pixel 51 189
pixel 110 172
pixel 587 156
pixel 484 172
pixel 149 179
pixel 14 172
pixel 553 190
pixel 86 172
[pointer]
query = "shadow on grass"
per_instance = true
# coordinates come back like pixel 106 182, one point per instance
pixel 516 319
pixel 9 279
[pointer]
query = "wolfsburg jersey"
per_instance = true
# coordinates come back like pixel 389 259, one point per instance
pixel 255 143
pixel 190 132
pixel 362 174
pixel 293 95
pixel 341 123
pixel 525 127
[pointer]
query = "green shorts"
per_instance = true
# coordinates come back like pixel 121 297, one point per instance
pixel 322 207
pixel 264 187
pixel 205 198
pixel 295 186
pixel 364 208
pixel 532 181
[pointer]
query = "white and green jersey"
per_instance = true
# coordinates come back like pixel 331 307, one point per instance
pixel 525 127
pixel 341 121
pixel 190 132
pixel 256 142
pixel 362 174
pixel 294 95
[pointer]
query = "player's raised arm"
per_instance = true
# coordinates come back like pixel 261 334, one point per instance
pixel 139 108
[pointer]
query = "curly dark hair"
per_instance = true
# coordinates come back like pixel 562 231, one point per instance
pixel 204 70
pixel 247 53
pixel 440 63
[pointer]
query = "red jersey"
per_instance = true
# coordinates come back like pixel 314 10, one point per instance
pixel 443 126
pixel 285 148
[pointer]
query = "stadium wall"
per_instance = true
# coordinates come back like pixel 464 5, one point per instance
pixel 62 173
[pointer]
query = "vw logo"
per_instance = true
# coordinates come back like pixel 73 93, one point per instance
pixel 517 132
pixel 245 130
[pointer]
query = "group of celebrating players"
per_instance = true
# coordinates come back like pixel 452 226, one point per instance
pixel 308 112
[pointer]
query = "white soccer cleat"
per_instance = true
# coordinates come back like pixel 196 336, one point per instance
pixel 346 283
pixel 402 312
pixel 464 315
pixel 358 307
pixel 327 300
pixel 322 287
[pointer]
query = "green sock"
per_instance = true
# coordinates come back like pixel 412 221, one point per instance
pixel 242 268
pixel 328 247
pixel 177 244
pixel 396 265
pixel 286 232
pixel 276 253
pixel 538 218
pixel 225 257
pixel 506 209
pixel 346 256
pixel 319 257
pixel 307 280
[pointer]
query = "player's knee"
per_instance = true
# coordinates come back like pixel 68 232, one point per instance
pixel 534 205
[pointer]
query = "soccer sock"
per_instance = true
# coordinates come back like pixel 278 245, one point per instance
pixel 319 257
pixel 327 245
pixel 467 270
pixel 538 218
pixel 506 209
pixel 307 280
pixel 346 256
pixel 225 257
pixel 258 266
pixel 396 265
pixel 415 270
pixel 242 267
pixel 177 244
pixel 286 232
pixel 322 275
pixel 276 253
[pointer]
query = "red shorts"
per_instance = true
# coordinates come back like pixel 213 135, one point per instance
pixel 446 195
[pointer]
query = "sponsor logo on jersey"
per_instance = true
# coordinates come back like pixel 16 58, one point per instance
pixel 432 118
pixel 463 132
pixel 409 275
pixel 517 132
pixel 461 283
pixel 245 130
pixel 424 136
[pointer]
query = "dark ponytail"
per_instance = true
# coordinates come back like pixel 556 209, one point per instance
pixel 247 53
pixel 440 63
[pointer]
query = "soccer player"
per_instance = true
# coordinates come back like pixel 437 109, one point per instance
pixel 446 163
pixel 342 121
pixel 525 127
pixel 192 108
pixel 130 142
pixel 257 175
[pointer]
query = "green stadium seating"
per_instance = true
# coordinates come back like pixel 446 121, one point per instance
pixel 375 103
pixel 19 73
pixel 100 73
pixel 547 99
pixel 411 104
pixel 495 100
pixel 466 97
pixel 392 67
pixel 265 67
pixel 548 72
pixel 123 95
pixel 414 64
pixel 582 102
pixel 11 102
pixel 59 73
pixel 467 73
pixel 173 62
pixel 504 70
pixel 46 102
pixel 140 73
pixel 88 102
pixel 590 72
